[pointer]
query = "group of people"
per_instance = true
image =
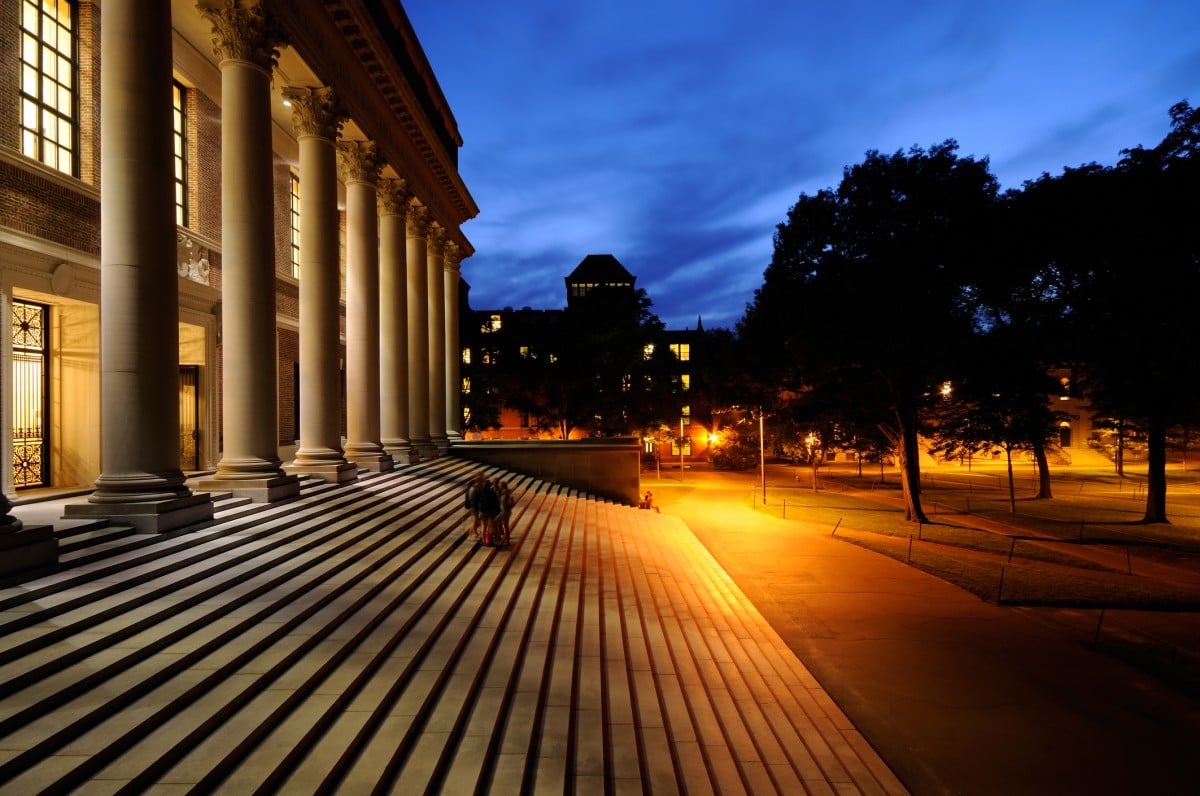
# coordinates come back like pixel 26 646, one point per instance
pixel 489 503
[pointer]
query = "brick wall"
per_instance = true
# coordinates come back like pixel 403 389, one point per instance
pixel 40 206
pixel 88 118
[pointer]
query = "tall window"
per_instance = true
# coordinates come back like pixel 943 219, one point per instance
pixel 295 216
pixel 48 83
pixel 682 351
pixel 179 123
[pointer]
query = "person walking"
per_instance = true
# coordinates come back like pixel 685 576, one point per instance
pixel 471 501
pixel 489 509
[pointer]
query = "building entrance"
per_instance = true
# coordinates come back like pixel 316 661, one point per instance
pixel 30 382
pixel 189 417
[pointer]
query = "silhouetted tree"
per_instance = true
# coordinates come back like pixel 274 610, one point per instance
pixel 1130 257
pixel 865 292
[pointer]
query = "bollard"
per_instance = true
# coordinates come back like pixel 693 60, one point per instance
pixel 835 527
pixel 785 508
pixel 1011 547
pixel 1099 622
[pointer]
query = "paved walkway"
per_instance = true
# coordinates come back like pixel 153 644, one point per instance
pixel 959 696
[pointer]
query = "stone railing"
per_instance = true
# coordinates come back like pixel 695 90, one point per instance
pixel 605 467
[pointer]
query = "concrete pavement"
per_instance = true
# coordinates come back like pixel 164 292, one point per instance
pixel 958 696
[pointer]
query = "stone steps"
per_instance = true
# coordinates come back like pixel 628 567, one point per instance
pixel 355 640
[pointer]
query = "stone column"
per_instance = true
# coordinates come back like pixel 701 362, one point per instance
pixel 453 346
pixel 317 118
pixel 359 164
pixel 437 338
pixel 418 332
pixel 245 39
pixel 394 198
pixel 140 480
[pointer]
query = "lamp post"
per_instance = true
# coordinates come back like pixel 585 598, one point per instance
pixel 762 457
pixel 681 446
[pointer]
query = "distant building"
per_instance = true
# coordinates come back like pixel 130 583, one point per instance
pixel 499 341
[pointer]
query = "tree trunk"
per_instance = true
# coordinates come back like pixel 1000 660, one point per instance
pixel 904 439
pixel 1012 491
pixel 911 463
pixel 1039 455
pixel 1156 474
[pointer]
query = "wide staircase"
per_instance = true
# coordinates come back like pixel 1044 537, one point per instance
pixel 354 640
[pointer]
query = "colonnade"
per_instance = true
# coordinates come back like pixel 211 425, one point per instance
pixel 402 276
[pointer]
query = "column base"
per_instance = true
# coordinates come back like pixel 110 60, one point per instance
pixel 154 516
pixel 31 548
pixel 409 456
pixel 372 462
pixel 441 443
pixel 331 472
pixel 259 490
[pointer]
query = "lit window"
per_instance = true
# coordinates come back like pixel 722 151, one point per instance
pixel 626 383
pixel 48 83
pixel 685 381
pixel 295 220
pixel 682 351
pixel 466 356
pixel 648 351
pixel 683 446
pixel 685 416
pixel 179 123
pixel 525 352
pixel 466 385
pixel 494 323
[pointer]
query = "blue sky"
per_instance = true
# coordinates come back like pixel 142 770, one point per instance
pixel 676 135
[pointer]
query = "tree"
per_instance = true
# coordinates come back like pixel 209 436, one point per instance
pixel 1131 256
pixel 865 290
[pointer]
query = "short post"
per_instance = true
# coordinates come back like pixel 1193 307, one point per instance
pixel 1099 622
pixel 1000 588
pixel 1012 546
pixel 835 527
pixel 785 508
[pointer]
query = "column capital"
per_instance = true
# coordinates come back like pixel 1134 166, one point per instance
pixel 418 221
pixel 243 32
pixel 315 111
pixel 453 257
pixel 394 197
pixel 437 240
pixel 358 161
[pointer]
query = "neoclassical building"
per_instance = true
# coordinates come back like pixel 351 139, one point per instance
pixel 230 239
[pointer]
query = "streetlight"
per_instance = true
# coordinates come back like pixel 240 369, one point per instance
pixel 811 443
pixel 762 457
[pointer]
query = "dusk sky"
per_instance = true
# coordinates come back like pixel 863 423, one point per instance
pixel 676 135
